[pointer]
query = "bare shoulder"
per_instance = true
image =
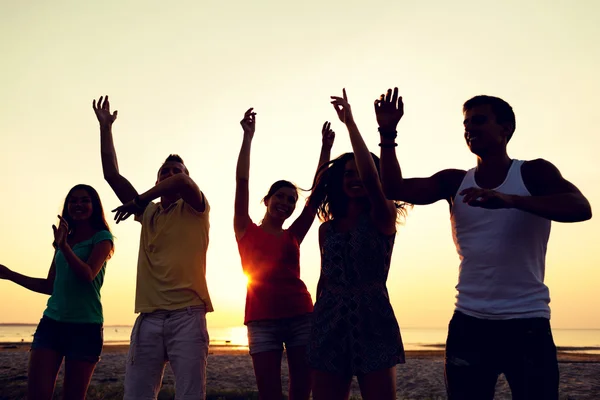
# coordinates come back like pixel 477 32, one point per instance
pixel 449 181
pixel 541 177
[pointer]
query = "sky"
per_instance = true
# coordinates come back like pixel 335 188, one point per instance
pixel 181 74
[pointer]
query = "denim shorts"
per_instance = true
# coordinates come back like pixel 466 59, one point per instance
pixel 272 334
pixel 74 341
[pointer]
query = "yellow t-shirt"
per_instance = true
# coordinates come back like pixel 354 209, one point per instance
pixel 172 258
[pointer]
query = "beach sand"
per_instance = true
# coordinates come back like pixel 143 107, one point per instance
pixel 230 370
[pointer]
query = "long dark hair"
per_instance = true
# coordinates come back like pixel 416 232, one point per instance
pixel 328 195
pixel 97 219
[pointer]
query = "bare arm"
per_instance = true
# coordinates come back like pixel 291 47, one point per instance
pixel 39 285
pixel 241 219
pixel 552 196
pixel 302 224
pixel 180 184
pixel 110 167
pixel 87 270
pixel 383 210
pixel 443 185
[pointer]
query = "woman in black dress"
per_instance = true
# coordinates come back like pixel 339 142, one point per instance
pixel 355 332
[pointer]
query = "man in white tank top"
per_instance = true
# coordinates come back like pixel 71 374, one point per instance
pixel 500 213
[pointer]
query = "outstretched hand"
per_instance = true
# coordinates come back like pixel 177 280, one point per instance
pixel 342 107
pixel 486 198
pixel 389 109
pixel 126 210
pixel 102 110
pixel 328 135
pixel 249 123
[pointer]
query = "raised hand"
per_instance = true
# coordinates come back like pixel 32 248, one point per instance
pixel 342 108
pixel 4 272
pixel 60 233
pixel 389 109
pixel 249 123
pixel 102 110
pixel 328 135
pixel 486 198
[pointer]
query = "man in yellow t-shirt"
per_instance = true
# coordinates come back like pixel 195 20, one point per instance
pixel 171 293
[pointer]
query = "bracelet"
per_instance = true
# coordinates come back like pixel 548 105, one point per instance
pixel 388 145
pixel 387 134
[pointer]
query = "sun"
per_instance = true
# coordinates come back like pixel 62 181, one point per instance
pixel 246 279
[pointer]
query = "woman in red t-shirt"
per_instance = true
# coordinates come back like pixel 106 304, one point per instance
pixel 278 305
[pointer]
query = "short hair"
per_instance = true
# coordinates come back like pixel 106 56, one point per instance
pixel 501 109
pixel 174 158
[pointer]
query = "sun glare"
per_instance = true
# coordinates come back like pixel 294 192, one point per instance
pixel 239 336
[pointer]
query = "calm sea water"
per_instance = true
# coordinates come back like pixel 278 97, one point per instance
pixel 414 338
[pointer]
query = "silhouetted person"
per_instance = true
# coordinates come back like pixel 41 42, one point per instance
pixel 171 293
pixel 355 332
pixel 278 304
pixel 71 326
pixel 500 213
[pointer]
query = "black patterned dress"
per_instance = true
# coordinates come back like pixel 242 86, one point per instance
pixel 354 328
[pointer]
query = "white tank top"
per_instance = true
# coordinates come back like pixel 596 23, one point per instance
pixel 502 255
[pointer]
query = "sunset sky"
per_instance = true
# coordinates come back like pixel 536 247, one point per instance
pixel 182 74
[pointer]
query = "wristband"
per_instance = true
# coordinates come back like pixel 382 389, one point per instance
pixel 387 134
pixel 388 145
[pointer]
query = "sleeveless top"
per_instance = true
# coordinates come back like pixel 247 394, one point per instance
pixel 502 255
pixel 354 327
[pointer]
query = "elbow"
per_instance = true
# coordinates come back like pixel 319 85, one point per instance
pixel 111 177
pixel 586 213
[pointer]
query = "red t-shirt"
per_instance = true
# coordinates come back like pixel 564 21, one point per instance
pixel 272 264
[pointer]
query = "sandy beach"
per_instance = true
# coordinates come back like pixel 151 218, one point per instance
pixel 230 372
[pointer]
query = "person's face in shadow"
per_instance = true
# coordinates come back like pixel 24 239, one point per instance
pixel 483 134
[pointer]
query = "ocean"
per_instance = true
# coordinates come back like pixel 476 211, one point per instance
pixel 581 340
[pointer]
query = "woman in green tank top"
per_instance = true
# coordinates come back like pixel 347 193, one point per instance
pixel 71 327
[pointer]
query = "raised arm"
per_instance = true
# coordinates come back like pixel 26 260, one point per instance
pixel 302 224
pixel 384 210
pixel 39 285
pixel 88 269
pixel 443 185
pixel 110 167
pixel 241 219
pixel 552 196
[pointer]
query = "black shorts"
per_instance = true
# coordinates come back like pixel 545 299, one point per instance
pixel 74 341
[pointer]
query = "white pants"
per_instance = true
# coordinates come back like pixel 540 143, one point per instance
pixel 179 337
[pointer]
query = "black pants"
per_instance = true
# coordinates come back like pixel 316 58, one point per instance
pixel 479 350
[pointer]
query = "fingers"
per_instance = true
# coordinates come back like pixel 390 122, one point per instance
pixel 115 114
pixel 394 98
pixel 344 93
